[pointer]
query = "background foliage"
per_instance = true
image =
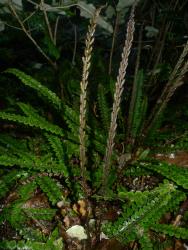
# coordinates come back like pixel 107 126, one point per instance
pixel 41 184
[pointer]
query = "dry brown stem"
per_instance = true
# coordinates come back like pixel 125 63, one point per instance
pixel 47 21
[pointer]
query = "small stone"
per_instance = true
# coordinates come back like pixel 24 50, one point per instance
pixel 78 232
pixel 60 204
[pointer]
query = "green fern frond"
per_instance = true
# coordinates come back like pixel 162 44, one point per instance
pixel 8 180
pixel 18 214
pixel 32 234
pixel 151 134
pixel 59 150
pixel 51 188
pixel 137 171
pixel 21 245
pixel 30 245
pixel 103 107
pixel 143 212
pixel 99 147
pixel 10 161
pixel 15 147
pixel 40 123
pixel 71 118
pixel 14 213
pixel 71 115
pixel 56 145
pixel 12 143
pixel 72 148
pixel 36 164
pixel 145 242
pixel 171 230
pixel 54 242
pixel 136 111
pixel 40 213
pixel 27 190
pixel 98 140
pixel 41 90
pixel 177 174
pixel 28 110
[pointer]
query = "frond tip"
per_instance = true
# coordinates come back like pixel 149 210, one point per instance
pixel 33 83
pixel 32 121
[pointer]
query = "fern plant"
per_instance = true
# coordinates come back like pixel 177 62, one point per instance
pixel 74 169
pixel 143 211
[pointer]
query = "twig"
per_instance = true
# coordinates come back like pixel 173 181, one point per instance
pixel 28 17
pixel 50 8
pixel 55 30
pixel 47 21
pixel 11 26
pixel 28 35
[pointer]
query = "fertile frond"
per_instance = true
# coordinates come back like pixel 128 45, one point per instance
pixel 83 85
pixel 41 90
pixel 117 98
pixel 174 82
pixel 36 121
pixel 51 188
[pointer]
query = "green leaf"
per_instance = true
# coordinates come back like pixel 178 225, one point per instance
pixel 51 188
pixel 41 90
pixel 40 123
pixel 51 48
